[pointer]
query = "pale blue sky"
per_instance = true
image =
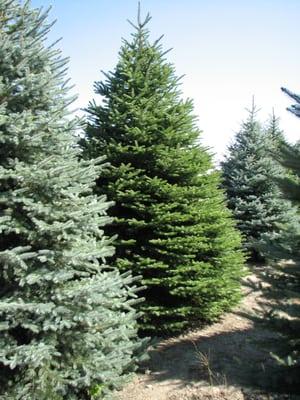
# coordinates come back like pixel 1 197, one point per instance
pixel 228 50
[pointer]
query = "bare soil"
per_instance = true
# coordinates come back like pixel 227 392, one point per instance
pixel 223 361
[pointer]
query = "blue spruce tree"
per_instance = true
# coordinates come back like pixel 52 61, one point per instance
pixel 68 327
pixel 249 171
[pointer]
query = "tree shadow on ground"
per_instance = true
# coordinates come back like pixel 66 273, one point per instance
pixel 234 351
pixel 229 358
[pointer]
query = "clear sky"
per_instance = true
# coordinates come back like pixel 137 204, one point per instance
pixel 228 50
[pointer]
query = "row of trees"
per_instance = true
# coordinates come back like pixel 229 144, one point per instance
pixel 68 318
pixel 70 310
pixel 284 291
pixel 251 173
pixel 261 177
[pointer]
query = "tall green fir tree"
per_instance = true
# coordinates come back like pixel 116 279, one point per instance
pixel 68 326
pixel 170 216
pixel 263 216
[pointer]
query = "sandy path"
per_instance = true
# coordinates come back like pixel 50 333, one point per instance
pixel 210 363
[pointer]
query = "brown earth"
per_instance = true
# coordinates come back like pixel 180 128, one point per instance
pixel 223 361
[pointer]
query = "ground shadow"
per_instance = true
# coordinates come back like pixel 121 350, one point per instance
pixel 229 358
pixel 234 351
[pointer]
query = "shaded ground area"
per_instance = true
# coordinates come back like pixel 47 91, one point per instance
pixel 224 361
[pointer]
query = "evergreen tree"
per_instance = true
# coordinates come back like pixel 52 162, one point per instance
pixel 284 287
pixel 283 246
pixel 169 213
pixel 282 311
pixel 289 159
pixel 249 170
pixel 290 156
pixel 68 329
pixel 285 315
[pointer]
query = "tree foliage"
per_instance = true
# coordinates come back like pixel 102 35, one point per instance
pixel 294 108
pixel 249 174
pixel 285 290
pixel 172 224
pixel 68 327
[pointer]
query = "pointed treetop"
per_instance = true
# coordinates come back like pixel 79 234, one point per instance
pixel 273 127
pixel 140 23
pixel 253 110
pixel 273 118
pixel 273 113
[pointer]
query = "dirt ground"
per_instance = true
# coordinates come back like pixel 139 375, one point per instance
pixel 223 361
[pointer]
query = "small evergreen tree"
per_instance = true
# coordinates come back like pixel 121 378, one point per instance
pixel 282 310
pixel 169 213
pixel 289 159
pixel 285 290
pixel 276 247
pixel 284 286
pixel 68 329
pixel 290 156
pixel 249 170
